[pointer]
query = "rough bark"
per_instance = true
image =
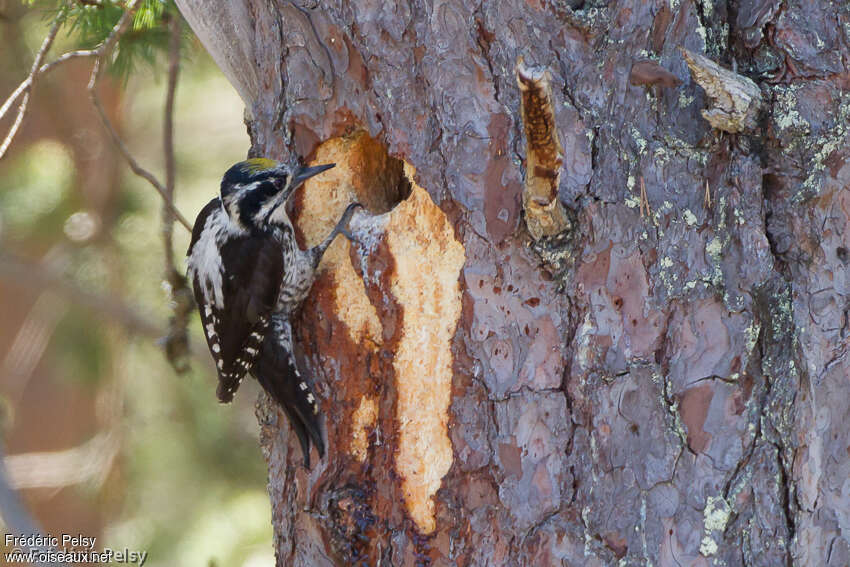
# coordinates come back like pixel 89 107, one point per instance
pixel 663 381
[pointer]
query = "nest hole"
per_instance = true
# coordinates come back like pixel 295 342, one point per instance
pixel 377 179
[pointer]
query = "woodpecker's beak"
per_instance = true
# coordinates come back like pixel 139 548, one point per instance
pixel 304 173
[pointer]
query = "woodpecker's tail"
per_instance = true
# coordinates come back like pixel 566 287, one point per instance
pixel 276 370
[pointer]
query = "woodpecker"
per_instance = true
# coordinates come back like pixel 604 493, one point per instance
pixel 249 277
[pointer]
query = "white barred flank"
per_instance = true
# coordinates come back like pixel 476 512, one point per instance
pixel 297 281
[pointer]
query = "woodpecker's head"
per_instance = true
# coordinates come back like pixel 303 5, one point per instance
pixel 252 190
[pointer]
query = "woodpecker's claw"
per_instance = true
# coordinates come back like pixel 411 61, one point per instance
pixel 349 211
pixel 342 225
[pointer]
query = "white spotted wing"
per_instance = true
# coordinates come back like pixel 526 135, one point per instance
pixel 235 326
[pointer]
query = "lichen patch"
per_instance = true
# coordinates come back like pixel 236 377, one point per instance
pixel 428 260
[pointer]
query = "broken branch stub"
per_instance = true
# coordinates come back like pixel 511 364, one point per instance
pixel 735 99
pixel 544 214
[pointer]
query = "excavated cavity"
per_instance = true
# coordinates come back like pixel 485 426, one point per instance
pixel 358 160
pixel 372 177
pixel 380 182
pixel 412 272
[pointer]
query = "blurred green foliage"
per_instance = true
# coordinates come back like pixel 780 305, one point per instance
pixel 89 22
pixel 36 191
pixel 188 485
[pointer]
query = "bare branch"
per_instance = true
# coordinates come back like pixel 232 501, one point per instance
pixel 65 57
pixel 36 68
pixel 27 83
pixel 88 462
pixel 177 340
pixel 19 119
pixel 25 273
pixel 22 88
pixel 102 53
pixel 168 140
pixel 134 165
pixel 118 30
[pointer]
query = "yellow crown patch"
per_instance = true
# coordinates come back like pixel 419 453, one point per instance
pixel 256 165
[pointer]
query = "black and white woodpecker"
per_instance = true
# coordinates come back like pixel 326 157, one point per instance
pixel 249 276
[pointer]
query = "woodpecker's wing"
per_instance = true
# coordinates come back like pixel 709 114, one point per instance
pixel 236 307
pixel 277 371
pixel 253 268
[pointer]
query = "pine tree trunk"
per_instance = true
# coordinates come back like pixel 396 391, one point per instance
pixel 581 323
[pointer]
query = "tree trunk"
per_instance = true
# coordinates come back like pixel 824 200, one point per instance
pixel 581 323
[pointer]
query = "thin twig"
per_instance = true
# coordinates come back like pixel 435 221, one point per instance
pixel 168 141
pixel 102 53
pixel 22 88
pixel 36 67
pixel 67 57
pixel 177 341
pixel 27 83
pixel 19 119
pixel 134 165
pixel 42 53
pixel 118 30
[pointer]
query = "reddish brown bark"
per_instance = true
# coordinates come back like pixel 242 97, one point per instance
pixel 668 387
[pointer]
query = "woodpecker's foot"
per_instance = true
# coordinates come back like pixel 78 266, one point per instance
pixel 340 228
pixel 347 234
pixel 342 225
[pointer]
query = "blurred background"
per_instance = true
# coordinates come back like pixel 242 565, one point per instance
pixel 102 436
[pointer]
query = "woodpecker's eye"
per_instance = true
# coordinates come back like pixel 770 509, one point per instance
pixel 253 201
pixel 268 189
